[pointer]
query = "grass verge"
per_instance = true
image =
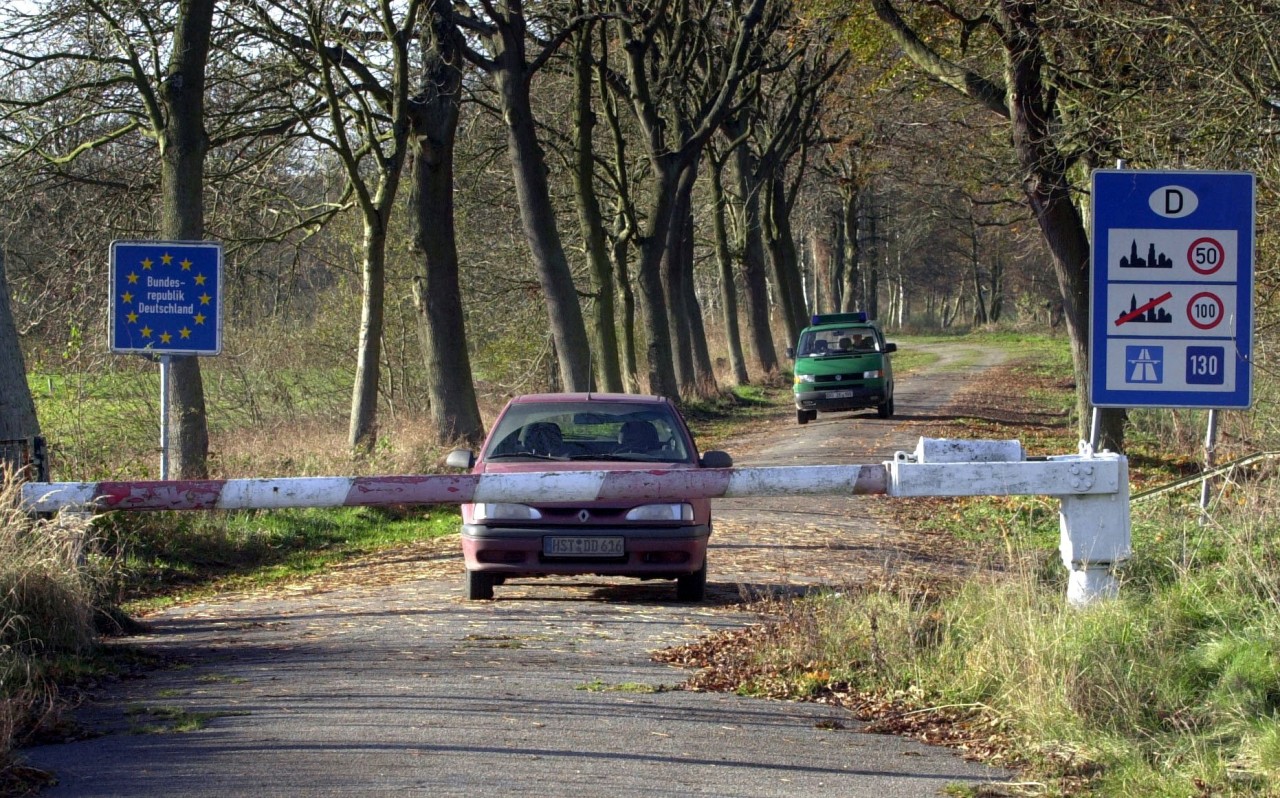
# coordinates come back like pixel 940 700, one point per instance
pixel 1172 690
pixel 50 589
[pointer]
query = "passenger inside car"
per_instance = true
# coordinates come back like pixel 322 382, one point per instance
pixel 638 436
pixel 543 437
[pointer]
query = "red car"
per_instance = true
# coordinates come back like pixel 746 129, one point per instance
pixel 587 432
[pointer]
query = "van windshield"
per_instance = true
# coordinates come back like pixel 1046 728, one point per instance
pixel 821 343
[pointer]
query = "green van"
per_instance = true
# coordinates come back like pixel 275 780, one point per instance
pixel 842 363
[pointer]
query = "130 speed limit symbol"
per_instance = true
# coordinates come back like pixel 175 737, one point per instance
pixel 1205 310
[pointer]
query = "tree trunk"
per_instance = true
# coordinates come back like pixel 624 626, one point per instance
pixel 823 269
pixel 851 288
pixel 871 276
pixel 753 258
pixel 1048 189
pixel 433 118
pixel 653 245
pixel 536 211
pixel 604 325
pixel 363 430
pixel 17 409
pixel 782 248
pixel 975 270
pixel 728 292
pixel 1025 102
pixel 674 266
pixel 183 144
pixel 619 254
pixel 705 386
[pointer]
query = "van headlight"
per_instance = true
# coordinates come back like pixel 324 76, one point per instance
pixel 804 378
pixel 503 511
pixel 872 375
pixel 661 512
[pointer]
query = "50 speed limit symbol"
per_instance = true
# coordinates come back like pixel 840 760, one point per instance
pixel 1205 310
pixel 1206 255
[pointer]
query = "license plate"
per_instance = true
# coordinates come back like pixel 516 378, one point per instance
pixel 839 394
pixel 582 547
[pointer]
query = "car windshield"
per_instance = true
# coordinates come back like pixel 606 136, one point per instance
pixel 820 343
pixel 588 431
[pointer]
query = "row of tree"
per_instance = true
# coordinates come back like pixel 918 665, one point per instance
pixel 657 132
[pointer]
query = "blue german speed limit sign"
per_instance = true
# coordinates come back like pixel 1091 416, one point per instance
pixel 1172 289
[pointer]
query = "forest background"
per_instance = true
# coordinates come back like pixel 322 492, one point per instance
pixel 428 207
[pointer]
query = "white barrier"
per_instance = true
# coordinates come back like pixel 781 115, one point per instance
pixel 1093 490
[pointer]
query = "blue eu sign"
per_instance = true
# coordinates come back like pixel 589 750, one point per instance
pixel 166 297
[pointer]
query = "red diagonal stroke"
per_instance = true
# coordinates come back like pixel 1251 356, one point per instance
pixel 1136 312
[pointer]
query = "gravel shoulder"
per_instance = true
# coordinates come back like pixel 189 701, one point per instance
pixel 379 677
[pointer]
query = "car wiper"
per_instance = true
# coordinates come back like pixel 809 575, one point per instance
pixel 626 458
pixel 534 455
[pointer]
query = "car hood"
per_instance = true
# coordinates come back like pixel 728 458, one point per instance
pixel 525 466
pixel 839 364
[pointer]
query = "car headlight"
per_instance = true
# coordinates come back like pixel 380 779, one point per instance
pixel 661 512
pixel 804 378
pixel 503 511
pixel 872 375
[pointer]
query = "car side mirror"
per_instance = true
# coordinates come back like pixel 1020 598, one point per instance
pixel 890 348
pixel 460 458
pixel 716 459
pixel 791 352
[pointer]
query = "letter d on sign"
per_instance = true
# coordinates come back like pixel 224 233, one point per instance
pixel 1173 202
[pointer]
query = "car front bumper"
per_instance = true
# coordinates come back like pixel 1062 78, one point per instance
pixel 856 397
pixel 648 552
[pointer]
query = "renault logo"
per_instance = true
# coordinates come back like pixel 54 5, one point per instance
pixel 583 515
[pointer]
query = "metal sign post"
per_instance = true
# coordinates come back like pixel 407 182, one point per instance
pixel 166 299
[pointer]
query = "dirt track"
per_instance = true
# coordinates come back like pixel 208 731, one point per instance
pixel 380 677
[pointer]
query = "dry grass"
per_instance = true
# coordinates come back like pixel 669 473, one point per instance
pixel 48 587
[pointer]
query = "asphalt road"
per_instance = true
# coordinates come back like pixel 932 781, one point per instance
pixel 380 678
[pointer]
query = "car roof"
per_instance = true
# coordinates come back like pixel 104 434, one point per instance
pixel 633 398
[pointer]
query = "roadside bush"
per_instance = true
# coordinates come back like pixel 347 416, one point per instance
pixel 48 590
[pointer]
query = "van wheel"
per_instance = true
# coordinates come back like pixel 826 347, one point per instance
pixel 692 587
pixel 885 410
pixel 802 416
pixel 479 585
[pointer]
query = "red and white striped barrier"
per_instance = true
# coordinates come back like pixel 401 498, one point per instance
pixel 1093 490
pixel 558 486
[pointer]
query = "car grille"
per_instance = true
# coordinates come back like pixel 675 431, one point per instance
pixel 597 516
pixel 843 379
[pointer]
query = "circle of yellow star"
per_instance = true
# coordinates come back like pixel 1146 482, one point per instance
pixel 185 332
pixel 186 265
pixel 165 338
pixel 133 277
pixel 166 259
pixel 200 278
pixel 204 299
pixel 146 264
pixel 146 332
pixel 199 317
pixel 133 318
pixel 126 297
